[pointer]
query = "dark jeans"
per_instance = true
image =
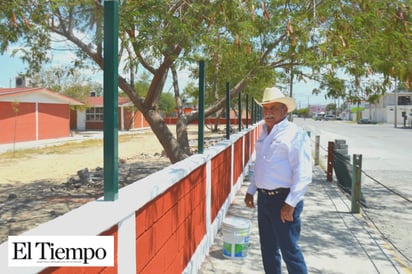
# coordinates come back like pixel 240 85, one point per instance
pixel 279 240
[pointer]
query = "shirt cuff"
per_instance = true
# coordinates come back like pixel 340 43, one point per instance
pixel 252 189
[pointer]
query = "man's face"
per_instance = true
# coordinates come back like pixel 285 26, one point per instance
pixel 273 113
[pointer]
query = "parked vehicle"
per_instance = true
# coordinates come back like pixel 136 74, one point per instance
pixel 318 116
pixel 328 117
pixel 365 121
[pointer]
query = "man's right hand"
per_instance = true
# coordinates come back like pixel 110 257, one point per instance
pixel 249 200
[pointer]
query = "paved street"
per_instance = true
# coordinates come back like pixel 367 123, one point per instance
pixel 386 176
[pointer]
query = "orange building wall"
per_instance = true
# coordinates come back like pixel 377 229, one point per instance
pixel 134 119
pixel 73 119
pixel 128 119
pixel 54 121
pixel 20 127
pixel 129 115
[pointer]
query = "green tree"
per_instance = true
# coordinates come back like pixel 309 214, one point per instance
pixel 65 81
pixel 303 112
pixel 331 108
pixel 167 103
pixel 252 42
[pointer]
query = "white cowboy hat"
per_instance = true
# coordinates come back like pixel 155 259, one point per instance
pixel 272 95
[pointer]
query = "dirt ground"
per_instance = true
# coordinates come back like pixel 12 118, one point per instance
pixel 60 166
pixel 43 184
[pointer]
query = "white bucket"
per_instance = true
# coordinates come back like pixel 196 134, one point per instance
pixel 236 234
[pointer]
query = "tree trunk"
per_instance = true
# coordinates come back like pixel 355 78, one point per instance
pixel 173 150
pixel 181 133
pixel 168 141
pixel 181 124
pixel 217 121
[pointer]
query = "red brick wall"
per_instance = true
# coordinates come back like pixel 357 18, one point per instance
pixel 221 171
pixel 247 143
pixel 238 159
pixel 169 228
pixel 90 270
pixel 209 121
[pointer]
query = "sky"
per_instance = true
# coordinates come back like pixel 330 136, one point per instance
pixel 10 67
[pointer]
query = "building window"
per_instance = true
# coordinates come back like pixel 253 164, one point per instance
pixel 404 100
pixel 94 114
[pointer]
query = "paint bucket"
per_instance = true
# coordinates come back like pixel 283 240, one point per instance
pixel 236 234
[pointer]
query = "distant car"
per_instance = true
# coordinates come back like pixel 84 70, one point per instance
pixel 328 117
pixel 365 121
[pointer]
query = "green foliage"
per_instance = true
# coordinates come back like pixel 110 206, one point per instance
pixel 367 39
pixel 142 85
pixel 303 112
pixel 65 81
pixel 167 103
pixel 331 108
pixel 353 48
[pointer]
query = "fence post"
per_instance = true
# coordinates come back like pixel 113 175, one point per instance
pixel 201 119
pixel 110 104
pixel 317 143
pixel 356 182
pixel 329 171
pixel 227 110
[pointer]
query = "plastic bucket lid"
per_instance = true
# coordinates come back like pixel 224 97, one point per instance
pixel 237 222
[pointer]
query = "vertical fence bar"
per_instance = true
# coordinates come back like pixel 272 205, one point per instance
pixel 201 127
pixel 356 182
pixel 239 115
pixel 253 111
pixel 227 110
pixel 110 104
pixel 247 110
pixel 317 143
pixel 329 170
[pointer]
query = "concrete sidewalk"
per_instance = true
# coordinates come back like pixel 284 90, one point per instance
pixel 333 240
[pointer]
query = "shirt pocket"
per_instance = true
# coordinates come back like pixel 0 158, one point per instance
pixel 277 151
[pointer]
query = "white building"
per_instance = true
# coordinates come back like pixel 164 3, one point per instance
pixel 390 108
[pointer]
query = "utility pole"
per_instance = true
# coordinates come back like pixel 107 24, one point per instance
pixel 396 103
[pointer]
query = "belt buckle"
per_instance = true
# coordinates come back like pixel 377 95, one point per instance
pixel 271 192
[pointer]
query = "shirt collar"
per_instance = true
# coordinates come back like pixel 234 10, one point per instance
pixel 278 126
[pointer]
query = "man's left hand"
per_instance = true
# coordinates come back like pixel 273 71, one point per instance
pixel 286 213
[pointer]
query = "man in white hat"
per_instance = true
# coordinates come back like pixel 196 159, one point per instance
pixel 282 172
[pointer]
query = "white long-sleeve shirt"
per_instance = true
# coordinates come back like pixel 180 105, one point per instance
pixel 283 159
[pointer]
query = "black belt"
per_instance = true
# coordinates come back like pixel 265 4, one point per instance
pixel 281 190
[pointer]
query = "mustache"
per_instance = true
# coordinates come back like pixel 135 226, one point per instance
pixel 269 116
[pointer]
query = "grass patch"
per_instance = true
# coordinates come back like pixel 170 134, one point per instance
pixel 65 147
pixel 70 146
pixel 53 149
